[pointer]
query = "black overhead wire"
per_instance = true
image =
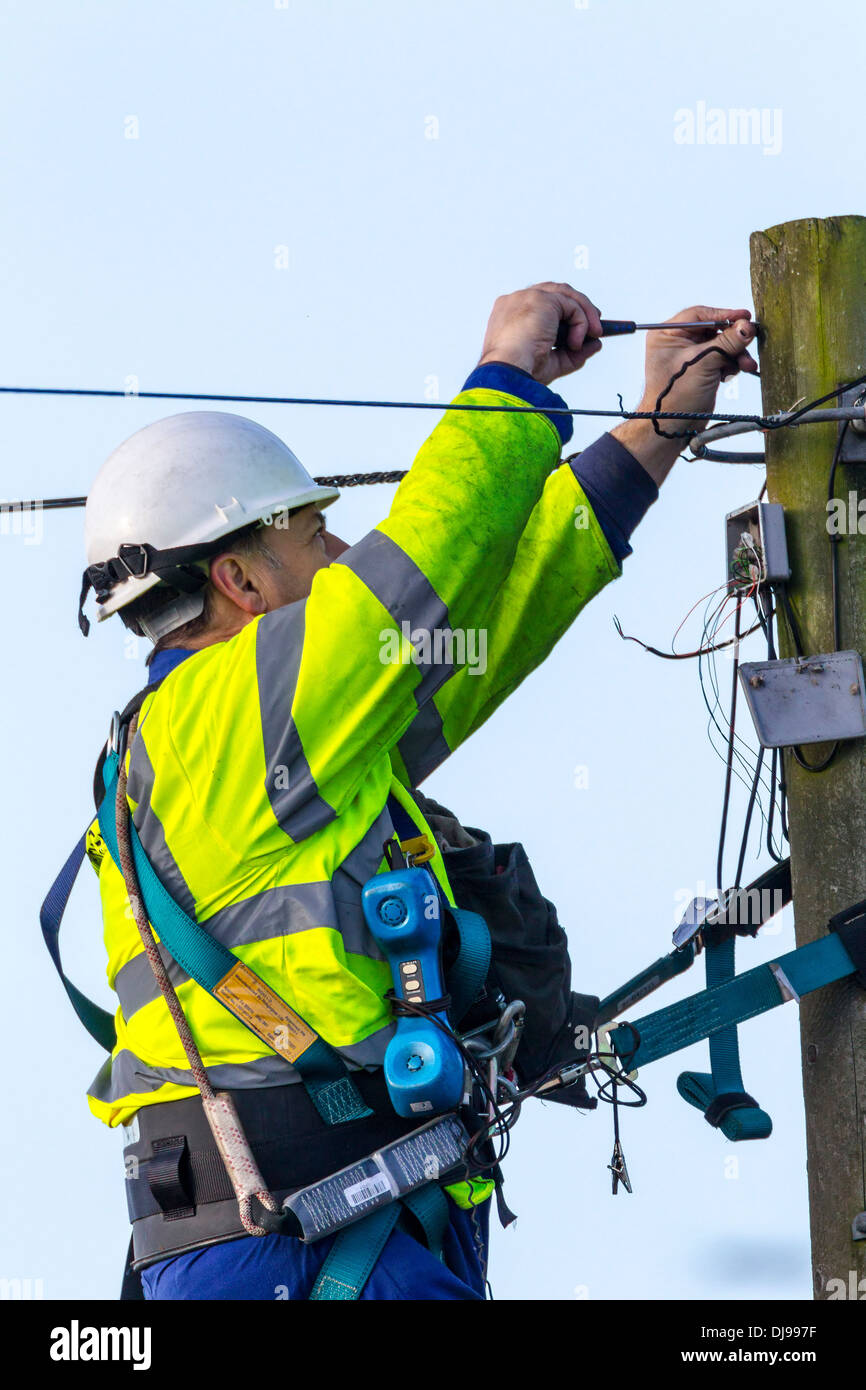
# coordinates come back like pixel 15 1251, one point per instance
pixel 762 422
pixel 471 407
pixel 685 434
pixel 681 656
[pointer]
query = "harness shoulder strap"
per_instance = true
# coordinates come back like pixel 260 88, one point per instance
pixel 233 983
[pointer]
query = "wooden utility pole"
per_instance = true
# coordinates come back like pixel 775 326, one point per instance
pixel 809 288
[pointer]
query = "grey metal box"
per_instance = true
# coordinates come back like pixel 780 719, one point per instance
pixel 809 699
pixel 765 522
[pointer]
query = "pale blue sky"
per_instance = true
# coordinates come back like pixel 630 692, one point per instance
pixel 306 127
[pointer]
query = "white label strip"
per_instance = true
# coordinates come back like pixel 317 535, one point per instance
pixel 365 1191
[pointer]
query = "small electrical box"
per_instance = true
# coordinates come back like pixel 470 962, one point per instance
pixel 756 548
pixel 806 699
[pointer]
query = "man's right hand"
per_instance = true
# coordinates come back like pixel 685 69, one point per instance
pixel 523 327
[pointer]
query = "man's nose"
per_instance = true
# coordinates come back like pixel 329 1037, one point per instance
pixel 334 546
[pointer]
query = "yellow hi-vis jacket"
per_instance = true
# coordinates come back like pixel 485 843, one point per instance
pixel 260 775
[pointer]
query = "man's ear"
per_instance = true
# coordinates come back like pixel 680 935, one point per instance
pixel 231 577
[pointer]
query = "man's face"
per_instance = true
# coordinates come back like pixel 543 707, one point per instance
pixel 303 545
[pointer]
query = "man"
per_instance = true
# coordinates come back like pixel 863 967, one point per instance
pixel 282 738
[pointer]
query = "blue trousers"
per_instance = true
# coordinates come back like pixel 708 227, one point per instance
pixel 281 1267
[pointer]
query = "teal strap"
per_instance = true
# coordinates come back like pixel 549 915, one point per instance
pixel 745 1121
pixel 747 995
pixel 350 1260
pixel 429 1206
pixel 469 970
pixel 207 961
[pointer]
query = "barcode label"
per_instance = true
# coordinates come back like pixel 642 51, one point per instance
pixel 366 1191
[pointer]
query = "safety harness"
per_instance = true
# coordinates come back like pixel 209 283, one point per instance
pixel 325 1076
pixel 709 926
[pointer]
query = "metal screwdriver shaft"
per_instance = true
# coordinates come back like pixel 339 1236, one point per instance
pixel 617 328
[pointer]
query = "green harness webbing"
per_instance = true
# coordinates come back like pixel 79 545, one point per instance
pixel 350 1261
pixel 355 1251
pixel 324 1074
pixel 720 1094
pixel 208 961
pixel 745 996
pixel 469 971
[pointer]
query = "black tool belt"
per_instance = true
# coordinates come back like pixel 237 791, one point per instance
pixel 179 1194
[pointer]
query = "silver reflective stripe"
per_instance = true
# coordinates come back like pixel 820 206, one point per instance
pixel 275 913
pixel 126 1075
pixel 406 592
pixel 150 831
pixel 364 861
pixel 423 746
pixel 135 985
pixel 292 792
pixel 283 911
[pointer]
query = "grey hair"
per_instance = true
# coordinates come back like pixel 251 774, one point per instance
pixel 163 613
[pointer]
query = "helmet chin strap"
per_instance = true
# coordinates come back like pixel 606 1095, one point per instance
pixel 178 566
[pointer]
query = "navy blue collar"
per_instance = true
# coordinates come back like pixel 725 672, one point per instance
pixel 166 661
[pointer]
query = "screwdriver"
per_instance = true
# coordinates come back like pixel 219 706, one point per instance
pixel 614 328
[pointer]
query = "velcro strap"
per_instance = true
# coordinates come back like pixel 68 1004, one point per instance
pixel 164 1178
pixel 722 1105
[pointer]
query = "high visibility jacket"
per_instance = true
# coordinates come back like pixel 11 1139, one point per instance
pixel 260 776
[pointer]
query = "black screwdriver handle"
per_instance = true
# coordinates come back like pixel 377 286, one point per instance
pixel 610 328
pixel 614 328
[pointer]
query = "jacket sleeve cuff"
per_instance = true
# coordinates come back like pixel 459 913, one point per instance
pixel 514 381
pixel 618 488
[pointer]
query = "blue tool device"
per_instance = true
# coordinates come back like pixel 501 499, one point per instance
pixel 423 1065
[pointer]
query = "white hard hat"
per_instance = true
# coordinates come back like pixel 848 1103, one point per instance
pixel 175 487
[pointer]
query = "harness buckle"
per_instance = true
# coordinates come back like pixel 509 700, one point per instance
pixel 117 736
